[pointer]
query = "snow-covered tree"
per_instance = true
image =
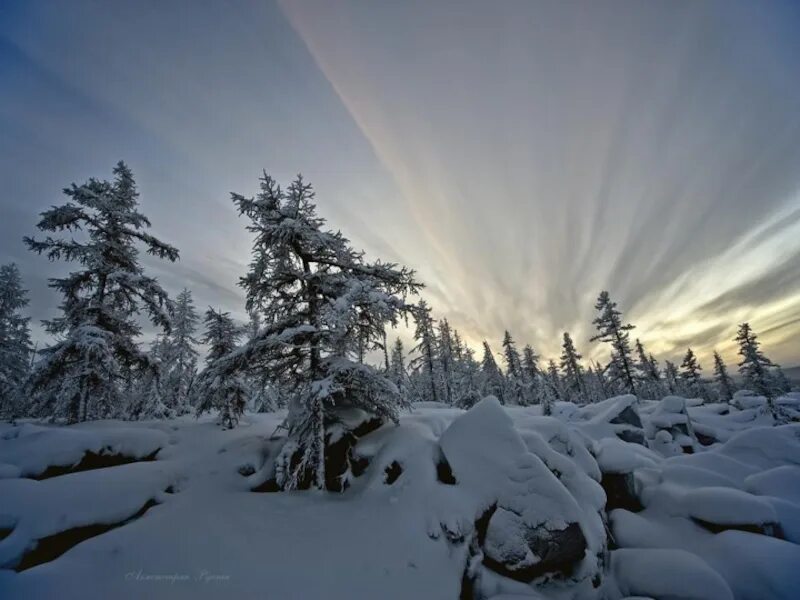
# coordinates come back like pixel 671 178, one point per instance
pixel 647 373
pixel 613 331
pixel 755 369
pixel 225 392
pixel 447 360
pixel 179 355
pixel 725 386
pixel 573 381
pixel 397 367
pixel 492 377
pixel 320 299
pixel 672 377
pixel 693 383
pixel 552 391
pixel 426 361
pixel 15 339
pixel 146 396
pixel 514 384
pixel 781 381
pixel 81 376
pixel 531 375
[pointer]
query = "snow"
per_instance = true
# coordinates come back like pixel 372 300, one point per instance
pixel 672 574
pixel 33 448
pixel 208 535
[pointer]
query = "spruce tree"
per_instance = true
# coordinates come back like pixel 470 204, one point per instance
pixel 724 383
pixel 397 367
pixel 426 362
pixel 446 360
pixel 613 331
pixel 671 377
pixel 693 383
pixel 320 301
pixel 82 375
pixel 225 392
pixel 755 369
pixel 492 377
pixel 180 355
pixel 647 373
pixel 531 375
pixel 574 384
pixel 514 386
pixel 15 340
pixel 552 390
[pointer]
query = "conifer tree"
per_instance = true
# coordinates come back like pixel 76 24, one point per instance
pixel 225 392
pixel 426 362
pixel 647 373
pixel 15 340
pixel 82 375
pixel 755 369
pixel 179 355
pixel 514 387
pixel 574 384
pixel 531 374
pixel 691 379
pixel 613 331
pixel 671 377
pixel 724 383
pixel 320 300
pixel 552 390
pixel 397 367
pixel 446 360
pixel 492 377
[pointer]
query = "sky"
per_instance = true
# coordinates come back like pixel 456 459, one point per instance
pixel 521 156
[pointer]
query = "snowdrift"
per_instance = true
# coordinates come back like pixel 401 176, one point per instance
pixel 668 499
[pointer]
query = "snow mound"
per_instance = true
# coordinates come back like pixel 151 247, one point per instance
pixel 673 574
pixel 33 448
pixel 535 525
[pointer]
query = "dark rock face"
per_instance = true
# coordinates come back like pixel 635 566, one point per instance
pixel 628 416
pixel 51 547
pixel 770 529
pixel 558 550
pixel 93 460
pixel 393 471
pixel 620 492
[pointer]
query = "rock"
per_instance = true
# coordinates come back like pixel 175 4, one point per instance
pixel 533 524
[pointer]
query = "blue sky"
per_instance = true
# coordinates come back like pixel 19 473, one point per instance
pixel 521 156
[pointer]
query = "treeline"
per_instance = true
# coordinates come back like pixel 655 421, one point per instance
pixel 445 370
pixel 318 310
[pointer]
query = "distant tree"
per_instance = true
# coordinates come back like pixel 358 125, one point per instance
pixel 397 366
pixel 15 339
pixel 531 374
pixel 647 373
pixel 552 391
pixel 492 377
pixel 671 377
pixel 755 369
pixel 782 382
pixel 724 383
pixel 612 330
pixel 426 361
pixel 179 355
pixel 574 384
pixel 693 383
pixel 82 375
pixel 320 301
pixel 514 385
pixel 227 393
pixel 446 360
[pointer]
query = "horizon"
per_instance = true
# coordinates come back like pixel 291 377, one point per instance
pixel 504 174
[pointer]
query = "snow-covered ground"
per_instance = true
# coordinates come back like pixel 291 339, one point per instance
pixel 625 498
